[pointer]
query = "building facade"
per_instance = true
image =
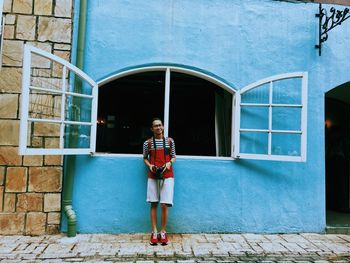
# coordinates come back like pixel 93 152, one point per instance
pixel 30 186
pixel 239 84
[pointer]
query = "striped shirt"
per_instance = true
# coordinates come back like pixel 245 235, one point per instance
pixel 159 145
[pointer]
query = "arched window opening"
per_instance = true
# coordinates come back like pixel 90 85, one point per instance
pixel 199 119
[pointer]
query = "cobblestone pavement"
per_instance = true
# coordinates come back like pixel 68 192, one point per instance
pixel 183 248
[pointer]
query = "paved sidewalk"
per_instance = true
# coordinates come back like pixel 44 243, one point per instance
pixel 183 248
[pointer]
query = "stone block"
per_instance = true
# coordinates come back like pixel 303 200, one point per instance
pixel 9 202
pixel 53 218
pixel 43 7
pixel 9 32
pixel 46 129
pixel 22 6
pixel 52 202
pixel 9 132
pixel 45 179
pixel 41 72
pixel 60 46
pixel 8 106
pixel 1 196
pixel 37 142
pixel 63 8
pixel 10 80
pixel 53 160
pixel 39 61
pixel 57 69
pixel 7 8
pixel 44 46
pixel 2 175
pixel 10 19
pixel 9 156
pixel 62 54
pixel 16 179
pixel 54 29
pixel 41 106
pixel 52 143
pixel 32 202
pixel 11 223
pixel 35 224
pixel 53 229
pixel 33 160
pixel 26 27
pixel 12 53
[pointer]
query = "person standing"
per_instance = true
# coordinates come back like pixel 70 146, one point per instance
pixel 159 156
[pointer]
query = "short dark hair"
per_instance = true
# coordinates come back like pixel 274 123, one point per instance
pixel 156 119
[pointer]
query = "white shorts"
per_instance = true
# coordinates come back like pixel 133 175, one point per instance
pixel 161 191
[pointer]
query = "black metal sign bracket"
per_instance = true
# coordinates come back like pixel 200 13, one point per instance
pixel 327 23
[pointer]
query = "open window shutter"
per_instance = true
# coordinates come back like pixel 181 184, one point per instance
pixel 270 119
pixel 58 106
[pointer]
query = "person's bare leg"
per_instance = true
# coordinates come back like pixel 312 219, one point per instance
pixel 154 207
pixel 164 218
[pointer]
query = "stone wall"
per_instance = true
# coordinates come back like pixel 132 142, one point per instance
pixel 30 186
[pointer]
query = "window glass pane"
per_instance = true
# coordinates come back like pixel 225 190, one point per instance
pixel 126 107
pixel 44 105
pixel 254 142
pixel 43 74
pixel 287 91
pixel 77 136
pixel 254 117
pixel 78 85
pixel 43 135
pixel 78 109
pixel 286 118
pixel 200 116
pixel 286 144
pixel 259 94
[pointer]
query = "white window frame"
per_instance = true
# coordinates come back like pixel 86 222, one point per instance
pixel 236 109
pixel 26 87
pixel 168 70
pixel 303 126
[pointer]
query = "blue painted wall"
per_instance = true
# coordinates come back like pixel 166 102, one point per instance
pixel 241 42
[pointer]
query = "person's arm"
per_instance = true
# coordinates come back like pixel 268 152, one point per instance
pixel 145 156
pixel 150 166
pixel 170 163
pixel 172 154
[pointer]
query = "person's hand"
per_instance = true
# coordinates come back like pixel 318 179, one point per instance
pixel 168 165
pixel 151 168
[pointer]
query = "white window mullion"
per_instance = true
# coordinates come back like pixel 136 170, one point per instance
pixel 216 132
pixel 60 92
pixel 304 116
pixel 24 101
pixel 63 106
pixel 233 125
pixel 237 124
pixel 166 102
pixel 269 145
pixel 94 118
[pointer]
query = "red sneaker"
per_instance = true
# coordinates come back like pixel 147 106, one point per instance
pixel 163 238
pixel 154 239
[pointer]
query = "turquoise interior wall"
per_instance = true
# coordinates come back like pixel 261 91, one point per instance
pixel 241 42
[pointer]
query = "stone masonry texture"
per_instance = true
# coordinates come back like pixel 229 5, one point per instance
pixel 30 186
pixel 182 248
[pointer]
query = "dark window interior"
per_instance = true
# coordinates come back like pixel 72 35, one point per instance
pixel 126 107
pixel 192 115
pixel 128 104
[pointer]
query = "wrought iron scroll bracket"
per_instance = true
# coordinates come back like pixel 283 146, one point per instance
pixel 327 23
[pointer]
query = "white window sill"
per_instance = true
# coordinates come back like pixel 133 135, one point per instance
pixel 191 157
